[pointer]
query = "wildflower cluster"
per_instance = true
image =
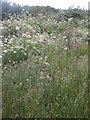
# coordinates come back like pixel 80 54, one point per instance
pixel 44 66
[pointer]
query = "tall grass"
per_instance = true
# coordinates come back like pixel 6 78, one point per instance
pixel 46 79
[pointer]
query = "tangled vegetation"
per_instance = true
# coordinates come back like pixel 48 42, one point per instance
pixel 45 66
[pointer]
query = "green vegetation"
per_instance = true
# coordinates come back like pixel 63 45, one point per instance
pixel 45 66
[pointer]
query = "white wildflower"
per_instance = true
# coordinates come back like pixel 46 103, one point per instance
pixel 25 53
pixel 17 28
pixel 20 84
pixel 0 56
pixel 4 51
pixel 70 19
pixel 14 51
pixel 64 37
pixel 65 48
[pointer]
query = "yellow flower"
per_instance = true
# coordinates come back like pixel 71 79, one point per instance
pixel 56 115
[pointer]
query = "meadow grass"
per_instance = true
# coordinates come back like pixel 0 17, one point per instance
pixel 45 78
pixel 30 90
